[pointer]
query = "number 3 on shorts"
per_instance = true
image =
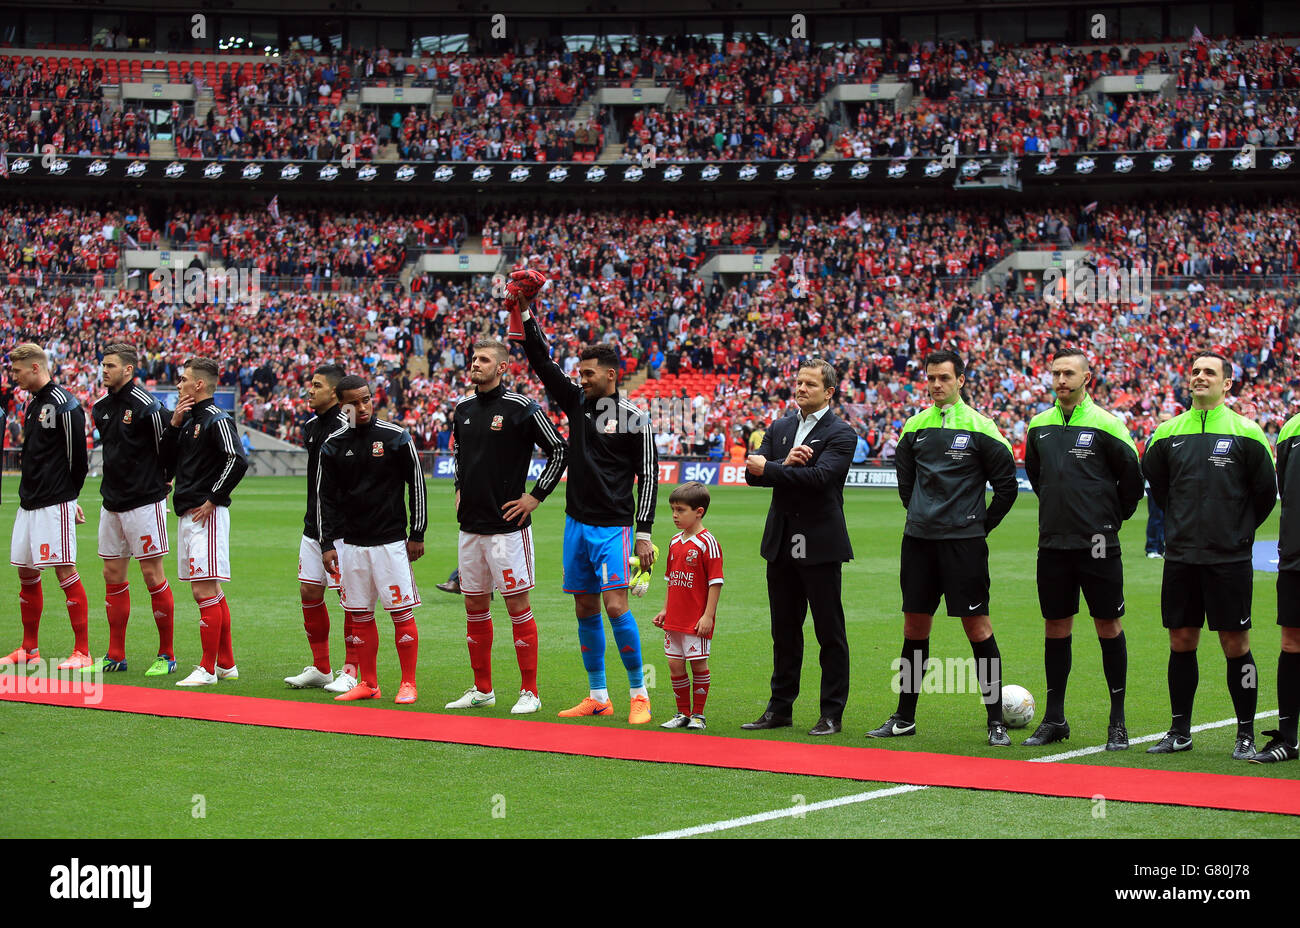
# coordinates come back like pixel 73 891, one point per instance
pixel 397 593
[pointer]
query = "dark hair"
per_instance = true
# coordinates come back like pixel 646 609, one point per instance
pixel 943 356
pixel 348 384
pixel 1226 364
pixel 125 353
pixel 693 494
pixel 830 379
pixel 603 355
pixel 205 367
pixel 331 373
pixel 1073 353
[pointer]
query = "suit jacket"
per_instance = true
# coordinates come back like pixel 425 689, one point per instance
pixel 807 500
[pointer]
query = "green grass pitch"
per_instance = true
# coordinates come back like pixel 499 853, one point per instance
pixel 163 777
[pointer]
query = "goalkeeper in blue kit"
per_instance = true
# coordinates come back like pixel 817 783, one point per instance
pixel 611 444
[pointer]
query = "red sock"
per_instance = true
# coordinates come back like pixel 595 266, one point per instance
pixel 525 628
pixel 316 620
pixel 407 637
pixel 478 635
pixel 682 692
pixel 699 692
pixel 211 619
pixel 164 616
pixel 30 602
pixel 367 648
pixel 351 662
pixel 78 613
pixel 225 653
pixel 117 600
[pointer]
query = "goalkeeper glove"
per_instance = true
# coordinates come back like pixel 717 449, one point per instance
pixel 522 289
pixel 640 578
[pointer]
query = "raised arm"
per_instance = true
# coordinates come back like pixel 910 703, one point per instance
pixel 563 390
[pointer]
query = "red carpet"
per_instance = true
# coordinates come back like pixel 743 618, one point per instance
pixel 1204 790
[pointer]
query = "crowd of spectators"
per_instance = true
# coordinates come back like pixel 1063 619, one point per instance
pixel 502 132
pixel 76 128
pixel 742 132
pixel 39 80
pixel 872 290
pixel 66 240
pixel 1130 122
pixel 322 242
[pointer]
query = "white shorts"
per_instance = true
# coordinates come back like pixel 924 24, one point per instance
pixel 140 533
pixel 45 537
pixel 376 574
pixel 203 550
pixel 502 562
pixel 685 646
pixel 310 567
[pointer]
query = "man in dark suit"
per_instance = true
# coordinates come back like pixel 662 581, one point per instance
pixel 805 458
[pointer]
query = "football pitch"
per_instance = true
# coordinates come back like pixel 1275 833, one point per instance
pixel 162 777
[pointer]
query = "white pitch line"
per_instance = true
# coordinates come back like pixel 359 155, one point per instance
pixel 788 812
pixel 801 810
pixel 1097 749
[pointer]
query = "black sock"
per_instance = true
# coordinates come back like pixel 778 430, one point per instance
pixel 988 670
pixel 1288 694
pixel 1114 664
pixel 916 651
pixel 1184 674
pixel 1243 687
pixel 1056 659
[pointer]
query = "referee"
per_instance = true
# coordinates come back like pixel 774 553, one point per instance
pixel 1084 467
pixel 1283 744
pixel 946 455
pixel 1211 471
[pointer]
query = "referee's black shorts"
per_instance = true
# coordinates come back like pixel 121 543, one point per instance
pixel 955 568
pixel 1288 598
pixel 1062 574
pixel 1193 594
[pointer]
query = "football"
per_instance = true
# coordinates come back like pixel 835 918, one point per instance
pixel 1017 706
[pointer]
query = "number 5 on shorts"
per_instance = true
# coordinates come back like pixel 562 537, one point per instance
pixel 507 577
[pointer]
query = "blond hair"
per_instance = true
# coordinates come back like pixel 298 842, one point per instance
pixel 30 351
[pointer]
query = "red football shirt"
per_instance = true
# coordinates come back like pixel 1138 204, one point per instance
pixel 694 565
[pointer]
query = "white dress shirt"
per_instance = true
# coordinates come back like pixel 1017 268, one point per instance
pixel 807 424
